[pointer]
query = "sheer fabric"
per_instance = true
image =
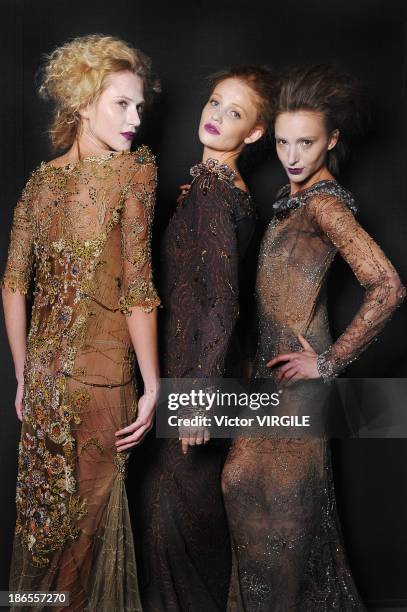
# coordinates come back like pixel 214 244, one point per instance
pixel 86 228
pixel 185 550
pixel 286 541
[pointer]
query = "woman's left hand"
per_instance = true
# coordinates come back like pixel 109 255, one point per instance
pixel 298 366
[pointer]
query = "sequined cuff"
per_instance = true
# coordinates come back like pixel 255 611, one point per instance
pixel 201 410
pixel 141 294
pixel 189 412
pixel 325 367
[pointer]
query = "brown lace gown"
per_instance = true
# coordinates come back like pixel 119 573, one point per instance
pixel 85 227
pixel 287 548
pixel 185 551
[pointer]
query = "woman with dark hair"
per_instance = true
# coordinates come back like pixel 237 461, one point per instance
pixel 279 496
pixel 84 220
pixel 185 544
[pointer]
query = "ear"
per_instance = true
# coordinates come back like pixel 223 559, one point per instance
pixel 333 139
pixel 256 134
pixel 83 112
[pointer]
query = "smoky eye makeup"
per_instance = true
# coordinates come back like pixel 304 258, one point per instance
pixel 306 142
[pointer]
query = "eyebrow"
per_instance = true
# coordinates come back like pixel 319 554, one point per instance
pixel 278 137
pixel 238 106
pixel 130 99
pixel 232 103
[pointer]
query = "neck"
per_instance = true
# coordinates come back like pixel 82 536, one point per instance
pixel 224 157
pixel 322 174
pixel 86 145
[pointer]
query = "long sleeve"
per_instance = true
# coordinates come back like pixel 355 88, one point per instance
pixel 217 276
pixel 17 273
pixel 137 285
pixel 383 289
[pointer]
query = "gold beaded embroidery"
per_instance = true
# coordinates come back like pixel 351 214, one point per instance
pixel 87 228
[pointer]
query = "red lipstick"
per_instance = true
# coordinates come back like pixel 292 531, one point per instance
pixel 211 129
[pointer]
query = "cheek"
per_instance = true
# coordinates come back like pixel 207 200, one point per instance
pixel 234 131
pixel 205 113
pixel 281 153
pixel 308 156
pixel 317 155
pixel 105 119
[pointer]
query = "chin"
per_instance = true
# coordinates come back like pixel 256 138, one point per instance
pixel 114 148
pixel 209 140
pixel 205 138
pixel 297 178
pixel 121 145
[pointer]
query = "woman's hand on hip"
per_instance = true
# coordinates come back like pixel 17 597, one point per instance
pixel 298 366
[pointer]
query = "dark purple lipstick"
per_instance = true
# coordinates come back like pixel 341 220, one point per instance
pixel 212 129
pixel 295 170
pixel 128 135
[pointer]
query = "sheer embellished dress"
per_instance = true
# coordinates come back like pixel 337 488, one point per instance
pixel 85 228
pixel 286 540
pixel 185 554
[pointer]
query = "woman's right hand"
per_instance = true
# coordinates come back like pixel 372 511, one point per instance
pixel 19 400
pixel 191 436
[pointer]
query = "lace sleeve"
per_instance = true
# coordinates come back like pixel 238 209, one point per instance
pixel 137 216
pixel 20 259
pixel 218 279
pixel 383 289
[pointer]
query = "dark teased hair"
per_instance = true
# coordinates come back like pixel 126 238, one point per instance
pixel 328 89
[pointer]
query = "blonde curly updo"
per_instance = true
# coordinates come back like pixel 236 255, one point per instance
pixel 74 75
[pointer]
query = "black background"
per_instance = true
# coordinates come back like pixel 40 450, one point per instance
pixel 188 41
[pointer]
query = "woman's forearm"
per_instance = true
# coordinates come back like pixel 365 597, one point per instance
pixel 15 316
pixel 143 333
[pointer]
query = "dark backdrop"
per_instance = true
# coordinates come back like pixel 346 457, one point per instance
pixel 188 41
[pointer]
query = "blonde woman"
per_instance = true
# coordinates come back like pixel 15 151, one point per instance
pixel 84 221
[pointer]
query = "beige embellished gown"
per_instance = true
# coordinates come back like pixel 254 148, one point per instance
pixel 85 228
pixel 288 554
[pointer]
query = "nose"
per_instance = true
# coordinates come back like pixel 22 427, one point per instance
pixel 216 115
pixel 293 156
pixel 134 118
